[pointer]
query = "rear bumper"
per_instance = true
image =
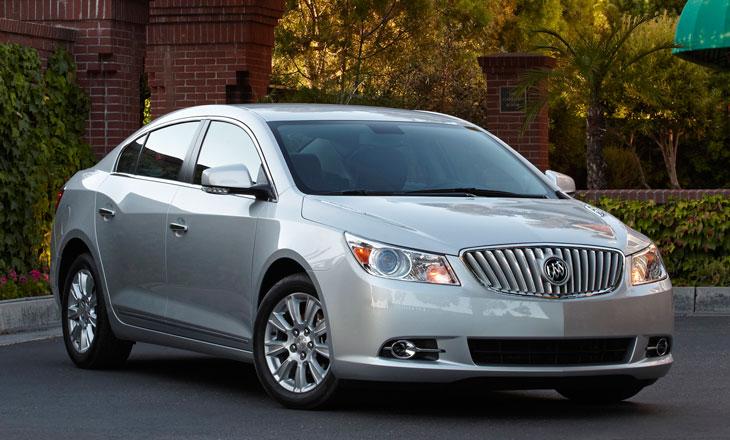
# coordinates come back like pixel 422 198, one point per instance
pixel 365 311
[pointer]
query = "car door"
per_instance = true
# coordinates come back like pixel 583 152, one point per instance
pixel 131 213
pixel 210 243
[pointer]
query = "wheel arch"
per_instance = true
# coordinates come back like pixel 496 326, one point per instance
pixel 278 268
pixel 74 245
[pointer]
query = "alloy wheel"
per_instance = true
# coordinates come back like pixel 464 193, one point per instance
pixel 81 311
pixel 295 343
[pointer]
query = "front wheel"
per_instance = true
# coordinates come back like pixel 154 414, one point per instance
pixel 291 345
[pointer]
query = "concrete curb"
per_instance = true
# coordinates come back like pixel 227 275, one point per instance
pixel 702 300
pixel 29 314
pixel 41 313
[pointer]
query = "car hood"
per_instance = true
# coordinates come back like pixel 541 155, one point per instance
pixel 450 224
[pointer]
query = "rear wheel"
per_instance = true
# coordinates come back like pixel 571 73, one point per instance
pixel 87 334
pixel 291 345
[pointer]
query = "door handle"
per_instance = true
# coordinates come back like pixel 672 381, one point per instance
pixel 106 213
pixel 178 228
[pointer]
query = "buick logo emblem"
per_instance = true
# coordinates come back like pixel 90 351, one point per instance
pixel 556 271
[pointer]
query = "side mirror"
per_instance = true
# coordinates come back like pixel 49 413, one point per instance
pixel 234 179
pixel 562 181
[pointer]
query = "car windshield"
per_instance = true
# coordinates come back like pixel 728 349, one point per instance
pixel 402 158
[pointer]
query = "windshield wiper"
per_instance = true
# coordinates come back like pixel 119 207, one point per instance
pixel 356 192
pixel 476 192
pixel 366 192
pixel 442 192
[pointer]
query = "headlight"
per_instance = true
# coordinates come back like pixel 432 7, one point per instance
pixel 647 266
pixel 400 264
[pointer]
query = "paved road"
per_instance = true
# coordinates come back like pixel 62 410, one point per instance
pixel 165 393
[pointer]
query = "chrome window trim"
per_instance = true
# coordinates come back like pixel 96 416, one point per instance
pixel 173 182
pixel 145 131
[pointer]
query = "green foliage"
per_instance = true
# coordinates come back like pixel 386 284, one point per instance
pixel 693 235
pixel 638 7
pixel 42 119
pixel 675 101
pixel 623 168
pixel 404 53
pixel 422 54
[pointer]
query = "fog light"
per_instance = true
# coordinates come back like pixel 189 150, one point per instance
pixel 421 349
pixel 658 346
pixel 403 349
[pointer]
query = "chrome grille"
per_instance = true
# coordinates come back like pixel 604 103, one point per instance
pixel 519 270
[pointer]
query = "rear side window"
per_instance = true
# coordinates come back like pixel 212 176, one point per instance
pixel 128 159
pixel 228 144
pixel 165 150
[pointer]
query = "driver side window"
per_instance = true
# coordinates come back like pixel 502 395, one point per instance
pixel 228 144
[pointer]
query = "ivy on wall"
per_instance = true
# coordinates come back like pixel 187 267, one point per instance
pixel 42 119
pixel 693 235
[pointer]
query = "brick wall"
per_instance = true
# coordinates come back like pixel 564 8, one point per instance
pixel 45 39
pixel 507 70
pixel 109 52
pixel 658 195
pixel 198 52
pixel 209 52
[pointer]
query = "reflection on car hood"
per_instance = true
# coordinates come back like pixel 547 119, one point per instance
pixel 451 224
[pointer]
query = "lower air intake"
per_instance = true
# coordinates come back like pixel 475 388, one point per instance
pixel 487 352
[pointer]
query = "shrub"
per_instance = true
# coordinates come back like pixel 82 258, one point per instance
pixel 693 235
pixel 14 285
pixel 623 168
pixel 42 120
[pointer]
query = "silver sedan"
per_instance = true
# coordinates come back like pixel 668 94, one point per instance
pixel 334 243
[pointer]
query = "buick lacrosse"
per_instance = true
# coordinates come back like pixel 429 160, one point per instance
pixel 335 243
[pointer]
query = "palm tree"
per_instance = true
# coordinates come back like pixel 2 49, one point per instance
pixel 589 60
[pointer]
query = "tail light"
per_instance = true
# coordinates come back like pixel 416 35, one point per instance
pixel 58 198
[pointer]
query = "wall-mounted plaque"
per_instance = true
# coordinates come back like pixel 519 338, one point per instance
pixel 511 100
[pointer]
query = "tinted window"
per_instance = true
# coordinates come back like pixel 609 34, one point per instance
pixel 228 144
pixel 128 159
pixel 398 157
pixel 164 152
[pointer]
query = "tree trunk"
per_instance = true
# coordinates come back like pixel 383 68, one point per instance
pixel 595 163
pixel 668 143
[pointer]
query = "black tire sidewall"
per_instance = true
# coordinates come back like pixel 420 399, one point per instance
pixel 313 399
pixel 84 261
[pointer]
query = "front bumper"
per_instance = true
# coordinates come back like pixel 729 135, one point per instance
pixel 366 311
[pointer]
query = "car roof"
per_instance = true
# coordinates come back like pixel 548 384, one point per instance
pixel 334 112
pixel 307 112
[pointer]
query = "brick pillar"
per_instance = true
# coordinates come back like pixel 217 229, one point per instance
pixel 506 109
pixel 209 51
pixel 108 48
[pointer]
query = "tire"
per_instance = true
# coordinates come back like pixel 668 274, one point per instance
pixel 294 347
pixel 100 349
pixel 601 394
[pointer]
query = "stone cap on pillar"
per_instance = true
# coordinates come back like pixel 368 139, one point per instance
pixel 510 62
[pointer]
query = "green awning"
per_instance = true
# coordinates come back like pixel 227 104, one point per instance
pixel 703 32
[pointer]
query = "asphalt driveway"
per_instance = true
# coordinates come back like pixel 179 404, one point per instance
pixel 166 393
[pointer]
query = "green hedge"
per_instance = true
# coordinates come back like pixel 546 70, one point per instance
pixel 43 114
pixel 693 235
